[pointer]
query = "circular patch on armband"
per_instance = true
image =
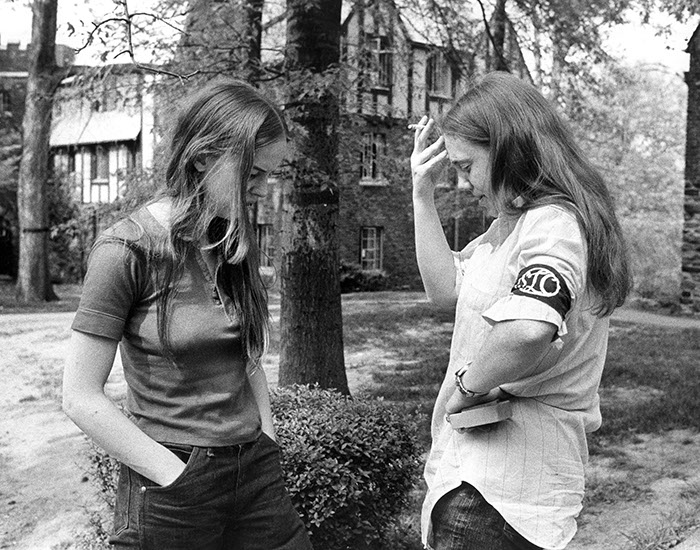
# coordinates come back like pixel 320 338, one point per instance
pixel 544 283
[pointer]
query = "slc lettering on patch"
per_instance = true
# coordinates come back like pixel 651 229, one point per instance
pixel 544 283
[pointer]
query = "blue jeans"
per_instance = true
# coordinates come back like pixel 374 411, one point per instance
pixel 228 498
pixel 463 520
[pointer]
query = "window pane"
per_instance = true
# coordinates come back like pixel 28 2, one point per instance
pixel 373 148
pixel 438 74
pixel 366 156
pixel 371 247
pixel 382 60
pixel 102 163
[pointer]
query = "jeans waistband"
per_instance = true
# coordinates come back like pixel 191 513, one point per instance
pixel 225 450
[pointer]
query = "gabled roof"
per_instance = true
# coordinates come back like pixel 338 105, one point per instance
pixel 95 127
pixel 416 21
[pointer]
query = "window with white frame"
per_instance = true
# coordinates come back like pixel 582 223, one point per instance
pixel 5 105
pixel 373 149
pixel 439 75
pixel 99 175
pixel 266 244
pixel 371 247
pixel 382 61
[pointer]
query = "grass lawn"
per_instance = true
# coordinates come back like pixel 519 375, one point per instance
pixel 69 296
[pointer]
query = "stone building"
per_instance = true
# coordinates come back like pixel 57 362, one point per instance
pixel 690 284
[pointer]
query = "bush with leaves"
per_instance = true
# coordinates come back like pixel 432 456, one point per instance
pixel 355 279
pixel 350 464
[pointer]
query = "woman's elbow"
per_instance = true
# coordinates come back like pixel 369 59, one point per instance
pixel 442 300
pixel 530 333
pixel 77 403
pixel 70 403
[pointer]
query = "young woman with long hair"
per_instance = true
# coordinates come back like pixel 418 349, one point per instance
pixel 533 296
pixel 177 286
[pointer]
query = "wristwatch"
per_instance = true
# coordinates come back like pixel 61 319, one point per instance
pixel 464 391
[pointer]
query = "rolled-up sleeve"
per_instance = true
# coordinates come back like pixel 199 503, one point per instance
pixel 551 249
pixel 109 289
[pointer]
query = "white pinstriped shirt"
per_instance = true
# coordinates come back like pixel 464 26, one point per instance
pixel 531 466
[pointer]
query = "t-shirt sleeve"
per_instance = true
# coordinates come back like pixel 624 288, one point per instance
pixel 550 270
pixel 110 289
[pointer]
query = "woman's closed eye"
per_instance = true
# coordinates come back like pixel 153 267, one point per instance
pixel 464 167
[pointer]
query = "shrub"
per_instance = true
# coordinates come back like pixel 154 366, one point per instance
pixel 355 279
pixel 349 464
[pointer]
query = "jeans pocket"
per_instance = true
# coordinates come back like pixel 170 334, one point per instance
pixel 122 504
pixel 187 454
pixel 266 439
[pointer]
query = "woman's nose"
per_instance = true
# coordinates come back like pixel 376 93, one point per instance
pixel 256 187
pixel 464 183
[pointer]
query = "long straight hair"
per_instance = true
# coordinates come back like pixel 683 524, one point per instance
pixel 228 119
pixel 533 155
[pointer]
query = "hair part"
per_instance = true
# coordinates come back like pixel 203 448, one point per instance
pixel 533 155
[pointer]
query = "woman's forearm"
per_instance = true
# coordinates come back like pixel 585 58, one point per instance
pixel 511 351
pixel 258 383
pixel 435 260
pixel 105 424
pixel 87 369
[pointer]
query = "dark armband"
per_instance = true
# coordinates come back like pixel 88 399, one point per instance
pixel 544 283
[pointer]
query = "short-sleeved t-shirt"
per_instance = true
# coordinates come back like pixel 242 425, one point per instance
pixel 529 467
pixel 198 394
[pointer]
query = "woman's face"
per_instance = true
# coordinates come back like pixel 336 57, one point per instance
pixel 223 175
pixel 473 165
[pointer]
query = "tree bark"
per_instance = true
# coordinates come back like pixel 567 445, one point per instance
pixel 221 38
pixel 33 279
pixel 690 250
pixel 498 23
pixel 311 325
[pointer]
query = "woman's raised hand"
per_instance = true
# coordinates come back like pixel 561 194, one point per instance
pixel 428 162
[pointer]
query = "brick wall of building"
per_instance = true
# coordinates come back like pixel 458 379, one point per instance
pixel 690 284
pixel 388 205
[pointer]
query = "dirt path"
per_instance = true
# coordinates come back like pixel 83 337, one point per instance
pixel 44 496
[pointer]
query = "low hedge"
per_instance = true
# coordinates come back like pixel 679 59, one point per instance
pixel 350 464
pixel 355 279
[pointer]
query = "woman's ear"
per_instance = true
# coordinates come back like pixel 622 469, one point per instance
pixel 200 165
pixel 203 164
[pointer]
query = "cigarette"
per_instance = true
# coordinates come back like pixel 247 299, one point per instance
pixel 416 126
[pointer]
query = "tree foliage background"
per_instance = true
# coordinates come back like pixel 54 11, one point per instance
pixel 631 120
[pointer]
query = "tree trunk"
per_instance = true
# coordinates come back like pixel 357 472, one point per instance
pixel 690 267
pixel 311 325
pixel 253 39
pixel 33 279
pixel 498 30
pixel 221 38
